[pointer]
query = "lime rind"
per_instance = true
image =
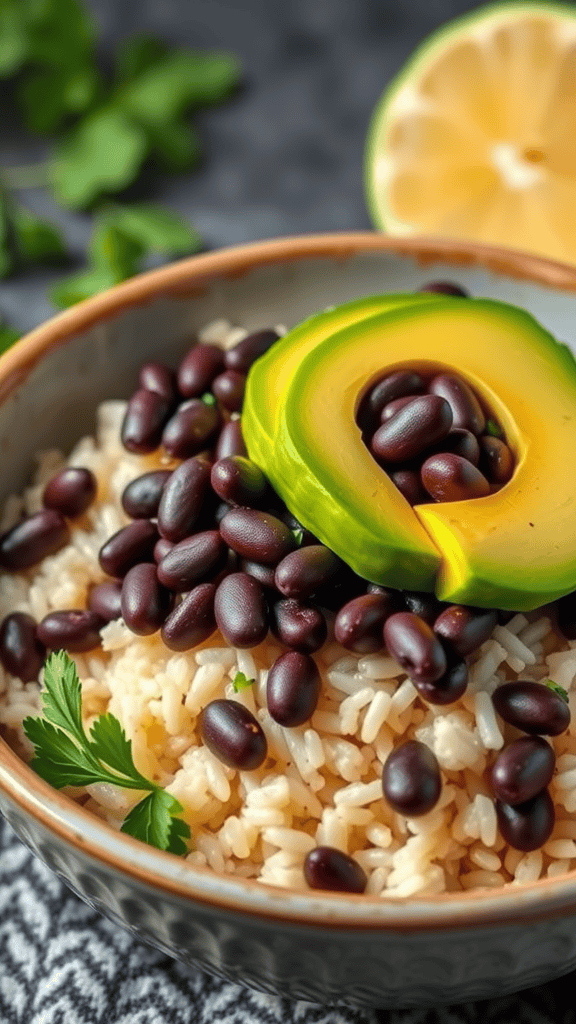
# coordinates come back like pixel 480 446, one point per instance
pixel 483 18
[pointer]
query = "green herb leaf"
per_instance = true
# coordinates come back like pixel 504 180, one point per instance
pixel 137 54
pixel 59 760
pixel 62 695
pixel 82 286
pixel 493 429
pixel 37 240
pixel 208 398
pixel 241 682
pixel 109 744
pixel 103 154
pixel 66 756
pixel 8 335
pixel 557 689
pixel 156 229
pixel 298 536
pixel 50 96
pixel 153 820
pixel 177 82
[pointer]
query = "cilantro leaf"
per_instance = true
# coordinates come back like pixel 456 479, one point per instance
pixel 104 153
pixel 62 694
pixel 66 756
pixel 298 535
pixel 153 821
pixel 241 682
pixel 136 54
pixel 178 81
pixel 109 744
pixel 59 760
pixel 557 689
pixel 208 398
pixel 37 240
pixel 493 429
pixel 82 286
pixel 50 96
pixel 8 335
pixel 157 230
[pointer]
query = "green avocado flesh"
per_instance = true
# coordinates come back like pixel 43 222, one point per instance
pixel 516 548
pixel 273 372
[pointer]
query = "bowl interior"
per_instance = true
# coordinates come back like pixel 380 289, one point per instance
pixel 52 403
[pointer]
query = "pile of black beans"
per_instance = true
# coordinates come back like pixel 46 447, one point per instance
pixel 212 546
pixel 433 439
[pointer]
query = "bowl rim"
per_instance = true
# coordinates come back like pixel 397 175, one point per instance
pixel 153 869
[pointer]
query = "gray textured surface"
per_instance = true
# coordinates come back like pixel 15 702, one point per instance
pixel 285 155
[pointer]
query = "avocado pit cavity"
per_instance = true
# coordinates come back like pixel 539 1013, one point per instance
pixel 428 433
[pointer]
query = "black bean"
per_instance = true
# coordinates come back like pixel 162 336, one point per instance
pixel 358 625
pixel 263 573
pixel 182 499
pixel 230 441
pixel 522 770
pixel 144 421
pixel 459 442
pixel 198 369
pixel 445 288
pixel 241 356
pixel 426 606
pixel 392 408
pixel 161 549
pixel 33 539
pixel 465 629
pixel 527 826
pixel 449 688
pixel 532 707
pixel 190 561
pixel 411 641
pixel 229 389
pixel 240 610
pixel 192 621
pixel 396 385
pixel 304 571
pixel 410 486
pixel 302 627
pixel 239 481
pixel 496 460
pixel 233 735
pixel 259 536
pixel 565 614
pixel 327 868
pixel 230 565
pixel 132 544
pixel 466 409
pixel 191 429
pixel 71 491
pixel 74 631
pixel 417 426
pixel 21 652
pixel 104 600
pixel 145 603
pixel 340 589
pixel 141 497
pixel 411 779
pixel 292 689
pixel 161 379
pixel 449 477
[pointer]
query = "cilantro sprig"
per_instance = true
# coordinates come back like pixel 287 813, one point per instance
pixel 241 682
pixel 557 689
pixel 25 238
pixel 65 755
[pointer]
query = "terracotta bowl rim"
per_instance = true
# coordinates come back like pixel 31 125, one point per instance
pixel 144 865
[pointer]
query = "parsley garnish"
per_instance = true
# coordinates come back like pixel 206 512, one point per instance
pixel 66 756
pixel 557 689
pixel 298 535
pixel 241 682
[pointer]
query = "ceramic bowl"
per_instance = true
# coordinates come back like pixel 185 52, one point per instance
pixel 316 946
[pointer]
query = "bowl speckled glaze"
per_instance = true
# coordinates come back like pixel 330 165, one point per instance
pixel 322 947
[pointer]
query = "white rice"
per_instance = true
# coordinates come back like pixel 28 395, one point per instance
pixel 321 783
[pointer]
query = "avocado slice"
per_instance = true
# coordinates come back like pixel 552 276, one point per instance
pixel 514 549
pixel 272 373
